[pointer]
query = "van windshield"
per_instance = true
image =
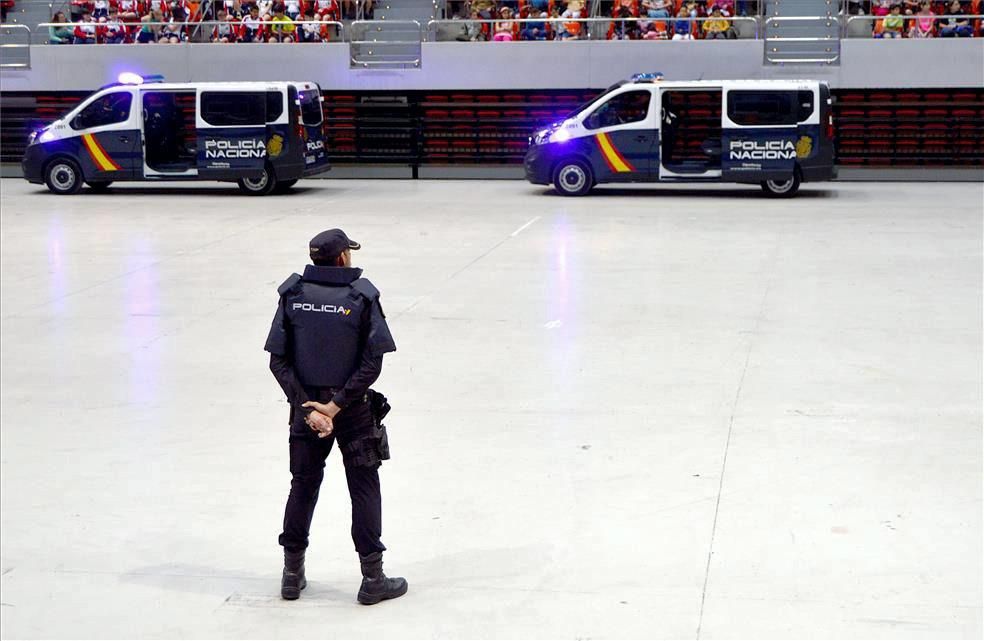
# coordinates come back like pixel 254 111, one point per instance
pixel 310 107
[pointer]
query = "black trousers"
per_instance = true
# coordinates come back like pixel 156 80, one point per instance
pixel 307 467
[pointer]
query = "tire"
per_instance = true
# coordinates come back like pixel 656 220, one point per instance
pixel 262 185
pixel 99 185
pixel 782 188
pixel 63 177
pixel 284 186
pixel 573 178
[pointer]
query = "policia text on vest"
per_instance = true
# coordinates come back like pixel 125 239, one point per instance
pixel 326 346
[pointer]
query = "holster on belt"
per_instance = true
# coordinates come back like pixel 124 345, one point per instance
pixel 373 448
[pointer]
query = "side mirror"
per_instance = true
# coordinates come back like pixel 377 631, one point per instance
pixel 592 121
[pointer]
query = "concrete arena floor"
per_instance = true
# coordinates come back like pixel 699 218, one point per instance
pixel 663 413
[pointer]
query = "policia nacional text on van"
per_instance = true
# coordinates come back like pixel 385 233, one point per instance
pixel 263 135
pixel 326 348
pixel 776 133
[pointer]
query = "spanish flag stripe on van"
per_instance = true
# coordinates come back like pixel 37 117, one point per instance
pixel 616 161
pixel 99 155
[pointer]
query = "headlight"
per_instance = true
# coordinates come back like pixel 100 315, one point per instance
pixel 560 135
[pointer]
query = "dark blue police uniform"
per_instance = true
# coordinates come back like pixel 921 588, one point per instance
pixel 327 344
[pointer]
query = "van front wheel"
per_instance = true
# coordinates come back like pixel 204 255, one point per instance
pixel 782 188
pixel 260 185
pixel 573 178
pixel 63 177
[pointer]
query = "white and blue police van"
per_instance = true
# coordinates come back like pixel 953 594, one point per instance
pixel 263 135
pixel 776 133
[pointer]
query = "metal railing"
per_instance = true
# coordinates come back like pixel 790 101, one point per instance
pixel 194 32
pixel 370 39
pixel 831 21
pixel 15 55
pixel 971 18
pixel 586 33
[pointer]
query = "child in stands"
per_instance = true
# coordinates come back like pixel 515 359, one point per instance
pixel 682 26
pixel 85 30
pixel 717 27
pixel 503 29
pixel 925 23
pixel 893 23
pixel 251 26
pixel 113 31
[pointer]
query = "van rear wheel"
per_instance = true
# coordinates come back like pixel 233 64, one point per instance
pixel 782 188
pixel 63 177
pixel 259 185
pixel 573 178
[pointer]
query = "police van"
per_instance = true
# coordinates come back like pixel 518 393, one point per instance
pixel 776 133
pixel 263 135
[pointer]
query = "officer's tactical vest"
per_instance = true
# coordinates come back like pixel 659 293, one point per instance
pixel 327 329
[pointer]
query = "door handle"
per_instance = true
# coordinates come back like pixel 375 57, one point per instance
pixel 642 138
pixel 124 139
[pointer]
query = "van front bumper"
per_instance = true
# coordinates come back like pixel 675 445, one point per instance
pixel 537 165
pixel 32 164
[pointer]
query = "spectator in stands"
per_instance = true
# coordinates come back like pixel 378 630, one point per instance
pixel 472 30
pixel 327 10
pixel 924 24
pixel 161 6
pixel 252 26
pixel 150 29
pixel 717 27
pixel 485 8
pixel 654 31
pixel 727 7
pixel 310 29
pixel 503 30
pixel 266 8
pixel 656 8
pixel 112 30
pixel 626 26
pixel 100 9
pixel 292 8
pixel 881 8
pixel 85 29
pixel 682 25
pixel 224 30
pixel 956 26
pixel 571 29
pixel 78 7
pixel 282 28
pixel 893 23
pixel 535 30
pixel 130 10
pixel 59 35
pixel 174 31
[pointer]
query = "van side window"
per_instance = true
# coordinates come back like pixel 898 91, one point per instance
pixel 234 108
pixel 769 107
pixel 108 110
pixel 274 105
pixel 631 106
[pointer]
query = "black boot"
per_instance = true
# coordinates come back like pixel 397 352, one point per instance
pixel 376 586
pixel 293 580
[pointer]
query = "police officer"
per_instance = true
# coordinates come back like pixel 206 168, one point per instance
pixel 326 348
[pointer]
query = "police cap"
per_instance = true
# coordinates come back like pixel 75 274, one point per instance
pixel 329 245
